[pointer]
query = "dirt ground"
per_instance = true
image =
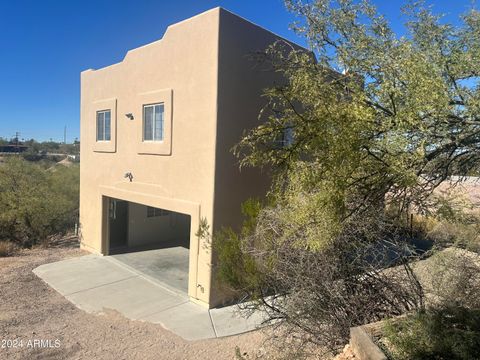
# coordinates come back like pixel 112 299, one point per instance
pixel 31 312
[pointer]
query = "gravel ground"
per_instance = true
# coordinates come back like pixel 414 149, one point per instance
pixel 30 311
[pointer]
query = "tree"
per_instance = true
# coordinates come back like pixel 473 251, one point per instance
pixel 412 115
pixel 378 121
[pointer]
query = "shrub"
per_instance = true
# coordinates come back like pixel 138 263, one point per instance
pixel 462 234
pixel 7 248
pixel 316 295
pixel 455 220
pixel 450 333
pixel 36 203
pixel 451 278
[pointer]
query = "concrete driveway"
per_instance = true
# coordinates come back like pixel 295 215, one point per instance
pixel 168 266
pixel 95 283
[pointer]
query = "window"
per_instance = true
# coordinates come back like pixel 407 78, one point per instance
pixel 112 211
pixel 284 138
pixel 287 136
pixel 152 212
pixel 103 125
pixel 153 122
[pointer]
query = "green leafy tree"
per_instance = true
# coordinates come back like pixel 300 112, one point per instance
pixel 375 113
pixel 366 121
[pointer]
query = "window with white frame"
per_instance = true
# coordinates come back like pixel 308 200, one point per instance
pixel 153 120
pixel 103 125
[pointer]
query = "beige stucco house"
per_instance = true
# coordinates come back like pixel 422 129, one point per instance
pixel 156 134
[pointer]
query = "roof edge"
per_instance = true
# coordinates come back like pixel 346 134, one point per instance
pixel 219 9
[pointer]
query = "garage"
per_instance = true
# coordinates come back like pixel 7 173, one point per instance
pixel 151 240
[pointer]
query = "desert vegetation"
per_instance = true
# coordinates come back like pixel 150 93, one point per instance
pixel 36 203
pixel 359 139
pixel 450 326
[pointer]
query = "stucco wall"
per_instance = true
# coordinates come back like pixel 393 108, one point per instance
pixel 241 83
pixel 143 230
pixel 183 64
pixel 212 92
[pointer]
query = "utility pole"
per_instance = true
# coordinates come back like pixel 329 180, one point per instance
pixel 17 136
pixel 65 134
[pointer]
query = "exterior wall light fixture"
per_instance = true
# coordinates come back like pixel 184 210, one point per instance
pixel 129 115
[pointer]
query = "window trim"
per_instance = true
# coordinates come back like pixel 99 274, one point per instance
pixel 103 122
pixel 148 147
pixel 162 121
pixel 91 119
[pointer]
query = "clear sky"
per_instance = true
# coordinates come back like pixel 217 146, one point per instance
pixel 45 44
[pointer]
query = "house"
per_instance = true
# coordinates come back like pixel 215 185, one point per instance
pixel 13 148
pixel 157 131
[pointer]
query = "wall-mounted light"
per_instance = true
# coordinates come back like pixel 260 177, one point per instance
pixel 129 115
pixel 129 175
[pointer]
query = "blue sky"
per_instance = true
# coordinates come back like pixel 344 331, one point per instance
pixel 44 45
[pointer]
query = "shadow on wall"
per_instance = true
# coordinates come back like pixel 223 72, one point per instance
pixel 153 228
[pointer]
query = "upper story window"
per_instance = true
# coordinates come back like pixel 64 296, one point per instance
pixel 103 125
pixel 287 138
pixel 284 138
pixel 153 120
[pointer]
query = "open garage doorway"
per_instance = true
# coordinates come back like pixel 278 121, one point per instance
pixel 150 240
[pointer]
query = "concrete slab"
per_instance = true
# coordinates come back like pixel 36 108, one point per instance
pixel 227 321
pixel 95 283
pixel 81 273
pixel 189 320
pixel 133 297
pixel 167 265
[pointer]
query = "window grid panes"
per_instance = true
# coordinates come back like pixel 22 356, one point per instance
pixel 103 125
pixel 153 122
pixel 154 212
